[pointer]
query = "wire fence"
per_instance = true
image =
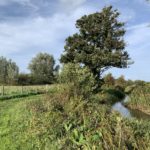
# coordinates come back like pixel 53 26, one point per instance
pixel 14 90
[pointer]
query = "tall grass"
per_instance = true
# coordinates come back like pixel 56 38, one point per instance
pixel 74 123
pixel 9 90
pixel 57 121
pixel 140 98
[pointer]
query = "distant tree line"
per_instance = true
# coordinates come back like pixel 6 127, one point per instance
pixel 42 71
pixel 121 83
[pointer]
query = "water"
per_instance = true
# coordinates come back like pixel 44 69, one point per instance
pixel 129 113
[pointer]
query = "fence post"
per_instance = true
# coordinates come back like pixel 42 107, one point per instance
pixel 46 88
pixel 3 92
pixel 21 89
pixel 36 89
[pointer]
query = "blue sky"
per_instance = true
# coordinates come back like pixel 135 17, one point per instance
pixel 31 26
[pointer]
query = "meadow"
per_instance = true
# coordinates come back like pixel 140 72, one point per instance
pixel 10 90
pixel 57 120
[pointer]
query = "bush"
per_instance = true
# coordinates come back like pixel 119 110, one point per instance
pixel 80 80
pixel 25 79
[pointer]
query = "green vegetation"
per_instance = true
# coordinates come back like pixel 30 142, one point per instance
pixel 8 97
pixel 79 79
pixel 14 121
pixel 99 44
pixel 140 98
pixel 8 71
pixel 76 113
pixel 42 69
pixel 11 90
pixel 57 121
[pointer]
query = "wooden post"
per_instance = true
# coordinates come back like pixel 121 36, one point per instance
pixel 21 89
pixel 37 89
pixel 46 88
pixel 3 92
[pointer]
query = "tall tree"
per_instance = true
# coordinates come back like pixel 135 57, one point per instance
pixel 12 72
pixel 8 71
pixel 3 70
pixel 42 68
pixel 99 44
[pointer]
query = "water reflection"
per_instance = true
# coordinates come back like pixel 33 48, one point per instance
pixel 129 113
pixel 123 110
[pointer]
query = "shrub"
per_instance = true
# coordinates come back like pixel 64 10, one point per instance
pixel 80 80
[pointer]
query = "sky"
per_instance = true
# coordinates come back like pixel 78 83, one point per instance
pixel 28 27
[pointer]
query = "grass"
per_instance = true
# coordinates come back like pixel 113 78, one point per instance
pixel 8 97
pixel 16 90
pixel 11 92
pixel 14 122
pixel 56 121
pixel 140 98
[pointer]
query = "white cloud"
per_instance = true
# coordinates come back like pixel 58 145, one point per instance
pixel 23 40
pixel 138 47
pixel 127 14
pixel 138 35
pixel 71 4
pixel 38 34
pixel 139 26
pixel 5 2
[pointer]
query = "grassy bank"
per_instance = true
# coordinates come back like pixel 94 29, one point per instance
pixel 140 99
pixel 58 121
pixel 14 123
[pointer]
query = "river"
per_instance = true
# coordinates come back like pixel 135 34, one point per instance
pixel 129 113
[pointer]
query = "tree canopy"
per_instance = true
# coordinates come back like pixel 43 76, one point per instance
pixel 42 68
pixel 99 44
pixel 8 71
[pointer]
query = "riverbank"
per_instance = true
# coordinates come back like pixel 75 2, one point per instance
pixel 143 109
pixel 127 112
pixel 139 99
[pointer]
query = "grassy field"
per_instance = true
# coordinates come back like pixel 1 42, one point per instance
pixel 56 121
pixel 10 90
pixel 140 98
pixel 14 122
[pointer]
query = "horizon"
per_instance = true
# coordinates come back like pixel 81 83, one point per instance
pixel 28 27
